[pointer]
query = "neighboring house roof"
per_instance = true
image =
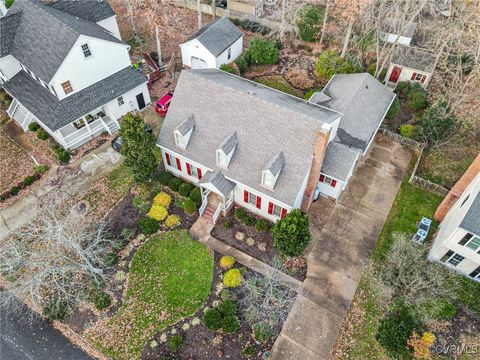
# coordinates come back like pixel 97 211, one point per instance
pixel 362 100
pixel 217 35
pixel 414 58
pixel 56 113
pixel 338 161
pixel 45 36
pixel 265 120
pixel 8 27
pixel 93 10
pixel 471 221
pixel 398 27
pixel 219 181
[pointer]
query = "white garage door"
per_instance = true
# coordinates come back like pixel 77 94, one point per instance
pixel 198 63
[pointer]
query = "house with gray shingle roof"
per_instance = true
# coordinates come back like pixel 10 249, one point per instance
pixel 67 68
pixel 262 149
pixel 217 43
pixel 457 242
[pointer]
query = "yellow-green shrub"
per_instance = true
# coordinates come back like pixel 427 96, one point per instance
pixel 232 278
pixel 227 262
pixel 158 212
pixel 172 221
pixel 162 199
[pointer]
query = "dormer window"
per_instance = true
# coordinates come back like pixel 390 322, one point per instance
pixel 184 131
pixel 225 153
pixel 86 51
pixel 272 170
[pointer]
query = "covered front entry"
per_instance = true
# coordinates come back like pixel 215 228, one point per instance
pixel 217 195
pixel 395 74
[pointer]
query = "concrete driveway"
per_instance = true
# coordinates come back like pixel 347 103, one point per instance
pixel 343 237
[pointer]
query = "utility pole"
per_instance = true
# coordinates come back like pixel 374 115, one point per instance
pixel 199 9
pixel 159 48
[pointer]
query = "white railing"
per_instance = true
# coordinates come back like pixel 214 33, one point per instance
pixel 203 207
pixel 228 203
pixel 83 133
pixel 217 213
pixel 13 106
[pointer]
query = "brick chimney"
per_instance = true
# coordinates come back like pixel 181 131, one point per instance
pixel 458 189
pixel 319 150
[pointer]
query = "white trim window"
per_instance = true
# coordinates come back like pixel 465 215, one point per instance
pixel 473 243
pixel 120 101
pixel 86 51
pixel 475 274
pixel 328 180
pixel 252 199
pixel 451 258
pixel 277 210
pixel 67 87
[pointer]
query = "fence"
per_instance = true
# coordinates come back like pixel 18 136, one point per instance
pixel 418 147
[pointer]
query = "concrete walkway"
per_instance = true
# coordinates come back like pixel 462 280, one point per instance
pixel 60 183
pixel 200 231
pixel 344 235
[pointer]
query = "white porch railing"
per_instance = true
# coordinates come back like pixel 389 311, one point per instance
pixel 204 202
pixel 13 106
pixel 93 129
pixel 217 213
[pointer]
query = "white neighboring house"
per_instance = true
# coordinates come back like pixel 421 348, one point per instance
pixel 396 32
pixel 219 42
pixel 457 244
pixel 409 63
pixel 247 144
pixel 66 67
pixel 3 8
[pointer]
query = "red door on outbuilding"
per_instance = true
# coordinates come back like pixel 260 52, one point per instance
pixel 395 74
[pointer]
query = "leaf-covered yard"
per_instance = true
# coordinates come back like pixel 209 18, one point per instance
pixel 169 279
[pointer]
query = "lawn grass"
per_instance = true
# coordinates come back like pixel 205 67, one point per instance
pixel 170 278
pixel 278 82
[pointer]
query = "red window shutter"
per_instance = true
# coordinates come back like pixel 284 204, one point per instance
pixel 270 207
pixel 189 171
pixel 413 76
pixel 259 202
pixel 167 156
pixel 199 173
pixel 424 77
pixel 245 196
pixel 333 183
pixel 179 165
pixel 284 212
pixel 322 178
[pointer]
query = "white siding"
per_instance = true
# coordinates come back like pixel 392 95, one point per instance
pixel 298 201
pixel 406 74
pixel 9 66
pixel 111 25
pixel 333 192
pixel 107 59
pixel 194 48
pixel 236 50
pixel 116 111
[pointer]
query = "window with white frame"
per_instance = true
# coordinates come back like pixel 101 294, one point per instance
pixel 252 199
pixel 473 243
pixel 277 210
pixel 86 51
pixel 328 180
pixel 475 274
pixel 194 171
pixel 120 101
pixel 67 87
pixel 454 259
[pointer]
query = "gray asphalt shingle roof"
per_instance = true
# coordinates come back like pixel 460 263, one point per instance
pixel 229 143
pixel 363 101
pixel 339 160
pixel 414 58
pixel 217 179
pixel 8 27
pixel 45 35
pixel 266 122
pixel 186 125
pixel 91 10
pixel 276 163
pixel 471 221
pixel 56 113
pixel 217 35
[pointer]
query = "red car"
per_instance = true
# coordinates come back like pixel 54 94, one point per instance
pixel 163 103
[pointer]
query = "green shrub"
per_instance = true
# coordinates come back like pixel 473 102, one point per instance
pixel 63 156
pixel 236 21
pixel 227 224
pixel 310 92
pixel 440 309
pixel 227 68
pixel 128 233
pixel 175 342
pixel 42 134
pixel 178 203
pixel 162 199
pixel 263 52
pixel 330 63
pixel 227 261
pixel 414 132
pixel 262 225
pixel 41 169
pixel 232 278
pixel 165 178
pixel 8 3
pixel 102 300
pixel 185 189
pixel 230 324
pixel 249 220
pixel 393 111
pixel 254 26
pixel 172 221
pixel 395 330
pixel 148 225
pixel 227 308
pixel 212 319
pixel 227 294
pixel 311 17
pixel 249 351
pixel 262 332
pixel 111 259
pixel 28 180
pixel 437 122
pixel 243 62
pixel 174 183
pixel 56 310
pixel 14 190
pixel 196 196
pixel 417 100
pixel 33 126
pixel 403 88
pixel 240 213
pixel 189 207
pixel 291 234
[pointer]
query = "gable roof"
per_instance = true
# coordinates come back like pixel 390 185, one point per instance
pixel 8 28
pixel 217 35
pixel 186 125
pixel 276 163
pixel 471 221
pixel 338 161
pixel 45 35
pixel 93 10
pixel 414 58
pixel 363 101
pixel 56 113
pixel 229 143
pixel 219 181
pixel 265 120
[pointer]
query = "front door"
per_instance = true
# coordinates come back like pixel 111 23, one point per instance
pixel 395 74
pixel 140 101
